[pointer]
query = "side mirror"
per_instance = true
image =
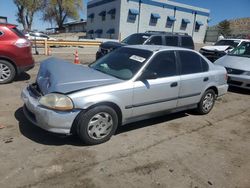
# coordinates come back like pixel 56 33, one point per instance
pixel 148 75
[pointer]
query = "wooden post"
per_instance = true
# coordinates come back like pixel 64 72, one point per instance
pixel 45 47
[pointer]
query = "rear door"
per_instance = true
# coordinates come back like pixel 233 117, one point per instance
pixel 154 95
pixel 193 79
pixel 171 40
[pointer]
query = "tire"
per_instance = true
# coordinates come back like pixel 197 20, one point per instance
pixel 7 72
pixel 96 125
pixel 207 102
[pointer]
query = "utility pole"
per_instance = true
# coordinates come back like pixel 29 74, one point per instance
pixel 139 16
pixel 195 13
pixel 174 17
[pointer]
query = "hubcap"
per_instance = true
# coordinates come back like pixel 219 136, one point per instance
pixel 208 102
pixel 4 72
pixel 100 125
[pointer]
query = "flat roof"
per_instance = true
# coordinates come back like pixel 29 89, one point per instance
pixel 169 4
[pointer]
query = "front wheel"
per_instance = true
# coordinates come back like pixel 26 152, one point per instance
pixel 7 72
pixel 207 102
pixel 97 125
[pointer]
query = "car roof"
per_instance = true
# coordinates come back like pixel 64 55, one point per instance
pixel 154 48
pixel 164 34
pixel 8 25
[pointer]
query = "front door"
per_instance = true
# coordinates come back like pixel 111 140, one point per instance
pixel 161 93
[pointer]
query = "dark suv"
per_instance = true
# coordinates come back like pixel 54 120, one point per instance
pixel 149 38
pixel 15 53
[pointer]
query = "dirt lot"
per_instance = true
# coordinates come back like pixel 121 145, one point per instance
pixel 180 150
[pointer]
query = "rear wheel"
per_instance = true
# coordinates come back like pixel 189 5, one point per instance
pixel 207 102
pixel 7 72
pixel 97 125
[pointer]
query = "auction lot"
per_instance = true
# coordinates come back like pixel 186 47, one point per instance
pixel 179 150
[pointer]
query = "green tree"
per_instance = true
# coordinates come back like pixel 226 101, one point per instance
pixel 224 27
pixel 26 10
pixel 59 11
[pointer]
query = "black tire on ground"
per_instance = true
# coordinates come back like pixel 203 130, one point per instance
pixel 207 102
pixel 96 125
pixel 7 72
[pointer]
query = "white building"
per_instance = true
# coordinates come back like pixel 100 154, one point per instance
pixel 119 18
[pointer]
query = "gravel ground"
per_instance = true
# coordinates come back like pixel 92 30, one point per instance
pixel 183 150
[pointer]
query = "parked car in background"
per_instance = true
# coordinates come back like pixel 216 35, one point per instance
pixel 38 36
pixel 220 48
pixel 149 38
pixel 15 53
pixel 237 64
pixel 148 81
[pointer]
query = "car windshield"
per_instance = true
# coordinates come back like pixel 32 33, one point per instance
pixel 136 39
pixel 122 63
pixel 243 50
pixel 233 43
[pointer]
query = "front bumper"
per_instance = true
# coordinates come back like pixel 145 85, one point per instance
pixel 242 81
pixel 25 68
pixel 50 120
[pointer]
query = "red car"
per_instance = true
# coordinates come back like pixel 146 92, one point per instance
pixel 15 53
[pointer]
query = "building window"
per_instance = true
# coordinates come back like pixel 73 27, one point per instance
pixel 112 13
pixel 111 32
pixel 91 17
pixel 154 18
pixel 198 24
pixel 103 15
pixel 132 14
pixel 170 21
pixel 184 24
pixel 98 33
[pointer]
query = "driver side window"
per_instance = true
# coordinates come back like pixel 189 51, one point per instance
pixel 163 64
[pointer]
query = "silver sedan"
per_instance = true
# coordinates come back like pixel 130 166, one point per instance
pixel 237 64
pixel 129 84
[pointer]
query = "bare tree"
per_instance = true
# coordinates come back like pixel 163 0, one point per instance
pixel 26 10
pixel 59 11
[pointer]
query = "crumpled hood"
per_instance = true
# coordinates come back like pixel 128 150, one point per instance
pixel 234 62
pixel 56 75
pixel 216 48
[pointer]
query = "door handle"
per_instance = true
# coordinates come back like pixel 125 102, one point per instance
pixel 205 79
pixel 174 84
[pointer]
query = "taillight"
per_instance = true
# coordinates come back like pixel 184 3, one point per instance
pixel 21 43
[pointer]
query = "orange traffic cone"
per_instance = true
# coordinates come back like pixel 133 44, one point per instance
pixel 76 61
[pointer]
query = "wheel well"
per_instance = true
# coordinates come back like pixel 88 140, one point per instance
pixel 10 61
pixel 110 104
pixel 215 89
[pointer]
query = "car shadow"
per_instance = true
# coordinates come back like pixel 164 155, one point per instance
pixel 238 90
pixel 150 122
pixel 41 136
pixel 22 77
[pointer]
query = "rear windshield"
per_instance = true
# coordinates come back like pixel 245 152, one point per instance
pixel 136 39
pixel 233 43
pixel 17 32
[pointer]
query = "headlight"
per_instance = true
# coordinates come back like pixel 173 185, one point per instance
pixel 56 102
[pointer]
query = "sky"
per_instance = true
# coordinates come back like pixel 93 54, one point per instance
pixel 219 10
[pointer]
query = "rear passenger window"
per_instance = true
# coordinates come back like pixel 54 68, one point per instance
pixel 190 62
pixel 156 40
pixel 204 65
pixel 1 33
pixel 187 42
pixel 164 64
pixel 171 41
